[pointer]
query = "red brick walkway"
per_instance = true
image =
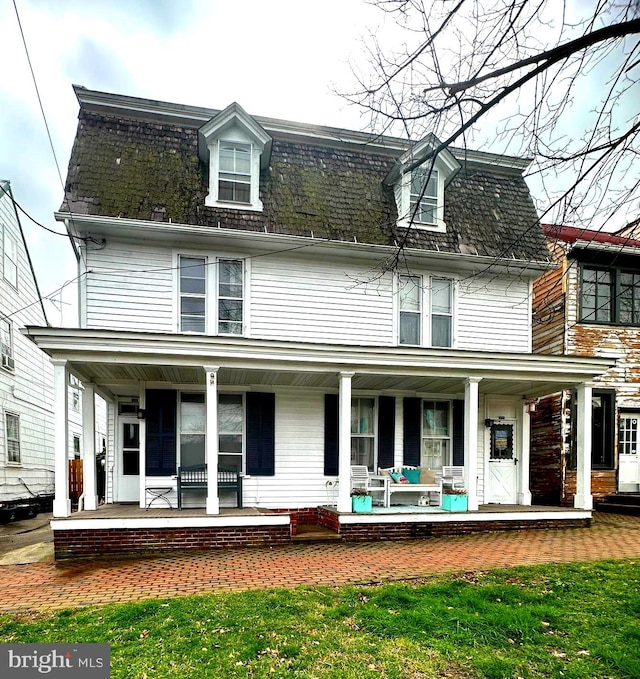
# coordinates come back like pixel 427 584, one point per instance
pixel 49 585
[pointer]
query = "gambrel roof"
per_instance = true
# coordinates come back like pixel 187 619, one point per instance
pixel 142 159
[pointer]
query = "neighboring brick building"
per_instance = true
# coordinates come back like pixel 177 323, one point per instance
pixel 589 306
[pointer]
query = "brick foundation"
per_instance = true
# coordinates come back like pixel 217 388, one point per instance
pixel 127 541
pixel 365 532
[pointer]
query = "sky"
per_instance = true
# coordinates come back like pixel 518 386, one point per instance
pixel 276 58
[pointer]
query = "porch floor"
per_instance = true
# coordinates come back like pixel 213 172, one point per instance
pixel 131 511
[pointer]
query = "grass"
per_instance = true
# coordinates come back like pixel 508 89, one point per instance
pixel 571 621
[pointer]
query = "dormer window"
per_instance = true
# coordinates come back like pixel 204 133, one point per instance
pixel 234 177
pixel 419 181
pixel 236 147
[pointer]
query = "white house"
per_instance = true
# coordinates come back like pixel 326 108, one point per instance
pixel 300 291
pixel 26 376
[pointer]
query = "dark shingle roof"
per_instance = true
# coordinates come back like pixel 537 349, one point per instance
pixel 132 166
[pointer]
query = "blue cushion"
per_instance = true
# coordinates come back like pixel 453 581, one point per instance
pixel 413 475
pixel 395 476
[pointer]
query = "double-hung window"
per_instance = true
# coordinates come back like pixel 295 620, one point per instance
pixel 436 434
pixel 10 259
pixel 230 431
pixel 436 295
pixel 12 436
pixel 230 297
pixel 363 432
pixel 6 344
pixel 192 293
pixel 410 298
pixel 192 429
pixel 441 312
pixel 609 295
pixel 234 175
pixel 423 196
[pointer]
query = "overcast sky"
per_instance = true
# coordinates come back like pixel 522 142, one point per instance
pixel 277 58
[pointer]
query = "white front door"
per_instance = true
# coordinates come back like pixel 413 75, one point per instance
pixel 628 444
pixel 502 477
pixel 128 478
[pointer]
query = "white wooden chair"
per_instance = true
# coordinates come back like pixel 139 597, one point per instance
pixel 361 478
pixel 453 477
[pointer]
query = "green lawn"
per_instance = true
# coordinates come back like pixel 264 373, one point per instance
pixel 580 620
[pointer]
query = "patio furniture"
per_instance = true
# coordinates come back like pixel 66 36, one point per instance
pixel 453 477
pixel 362 478
pixel 429 482
pixel 159 494
pixel 193 479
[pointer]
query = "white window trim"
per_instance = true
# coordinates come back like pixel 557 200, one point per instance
pixel 6 238
pixel 404 204
pixel 359 396
pixel 12 463
pixel 9 359
pixel 425 316
pixel 448 438
pixel 211 291
pixel 212 199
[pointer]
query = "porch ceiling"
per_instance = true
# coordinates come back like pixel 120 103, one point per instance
pixel 118 361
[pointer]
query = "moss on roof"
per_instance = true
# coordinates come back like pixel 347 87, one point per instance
pixel 134 168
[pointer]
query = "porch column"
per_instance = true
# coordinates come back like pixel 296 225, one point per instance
pixel 471 404
pixel 583 498
pixel 344 443
pixel 89 447
pixel 211 439
pixel 142 442
pixel 61 501
pixel 524 460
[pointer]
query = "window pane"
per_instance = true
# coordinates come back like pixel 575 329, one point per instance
pixel 130 463
pixel 230 413
pixel 191 449
pixel 192 306
pixel 436 418
pixel 230 310
pixel 191 324
pixel 362 410
pixel 409 289
pixel 362 451
pixel 192 267
pixel 230 443
pixel 440 296
pixel 130 435
pixel 409 328
pixel 192 417
pixel 441 331
pixel 229 461
pixel 434 453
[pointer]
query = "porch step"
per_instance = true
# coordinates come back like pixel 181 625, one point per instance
pixel 314 534
pixel 621 503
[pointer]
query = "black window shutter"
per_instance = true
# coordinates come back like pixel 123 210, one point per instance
pixel 331 434
pixel 386 430
pixel 160 423
pixel 458 433
pixel 261 429
pixel 412 415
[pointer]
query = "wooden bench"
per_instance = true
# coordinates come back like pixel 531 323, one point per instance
pixel 435 487
pixel 193 479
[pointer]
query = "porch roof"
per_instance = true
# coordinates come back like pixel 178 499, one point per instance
pixel 117 361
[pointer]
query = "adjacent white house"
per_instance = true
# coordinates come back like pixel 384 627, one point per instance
pixel 285 301
pixel 26 375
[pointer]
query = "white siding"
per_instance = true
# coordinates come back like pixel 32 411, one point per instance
pixel 299 480
pixel 129 287
pixel 494 314
pixel 296 297
pixel 28 390
pixel 315 301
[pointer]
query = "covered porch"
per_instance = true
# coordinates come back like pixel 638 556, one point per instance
pixel 287 446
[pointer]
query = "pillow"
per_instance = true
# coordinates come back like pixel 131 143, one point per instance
pixel 427 477
pixel 413 475
pixel 384 472
pixel 395 476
